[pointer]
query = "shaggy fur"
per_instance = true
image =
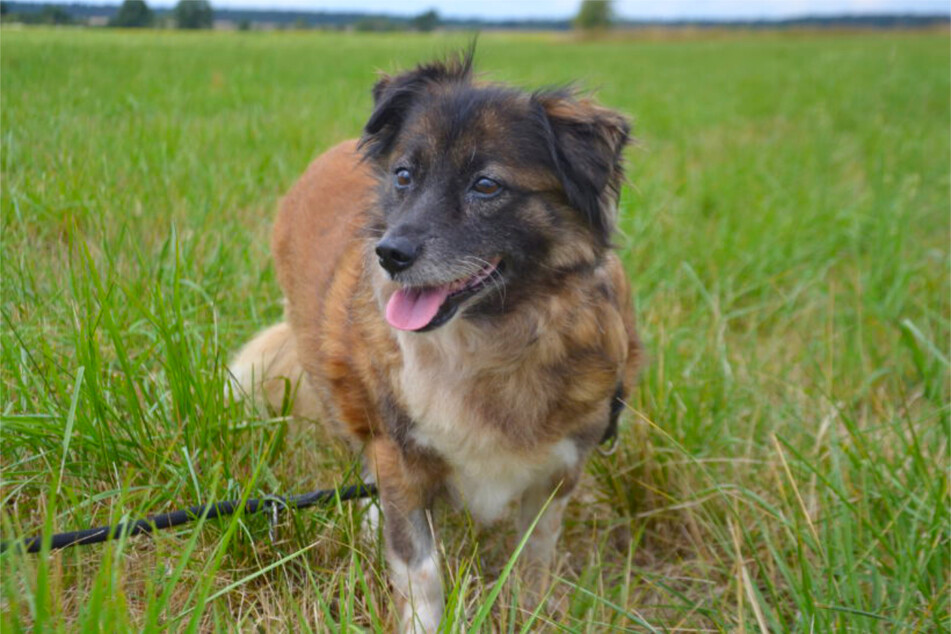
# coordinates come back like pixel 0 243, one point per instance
pixel 501 397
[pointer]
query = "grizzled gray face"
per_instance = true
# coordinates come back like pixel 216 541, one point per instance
pixel 481 202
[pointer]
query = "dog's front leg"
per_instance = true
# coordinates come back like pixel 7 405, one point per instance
pixel 538 555
pixel 410 552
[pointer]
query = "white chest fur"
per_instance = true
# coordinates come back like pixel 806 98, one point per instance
pixel 485 473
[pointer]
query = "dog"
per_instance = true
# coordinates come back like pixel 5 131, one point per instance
pixel 455 309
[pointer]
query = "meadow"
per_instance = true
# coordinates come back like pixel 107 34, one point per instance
pixel 783 465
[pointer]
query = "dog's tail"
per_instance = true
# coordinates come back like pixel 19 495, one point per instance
pixel 268 370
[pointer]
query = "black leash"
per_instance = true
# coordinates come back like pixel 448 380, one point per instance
pixel 176 518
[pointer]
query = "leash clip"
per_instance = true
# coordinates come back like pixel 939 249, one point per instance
pixel 611 448
pixel 273 505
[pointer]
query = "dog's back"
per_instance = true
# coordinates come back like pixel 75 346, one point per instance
pixel 321 351
pixel 318 222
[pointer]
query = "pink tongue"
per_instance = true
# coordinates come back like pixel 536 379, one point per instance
pixel 414 308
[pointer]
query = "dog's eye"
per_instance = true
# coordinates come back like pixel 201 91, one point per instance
pixel 486 187
pixel 403 178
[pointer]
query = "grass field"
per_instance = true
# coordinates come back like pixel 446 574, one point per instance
pixel 783 466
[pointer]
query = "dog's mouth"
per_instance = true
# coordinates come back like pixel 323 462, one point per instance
pixel 423 308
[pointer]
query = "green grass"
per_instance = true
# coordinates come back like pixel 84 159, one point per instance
pixel 784 465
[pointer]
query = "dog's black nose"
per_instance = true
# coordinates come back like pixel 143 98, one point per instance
pixel 396 253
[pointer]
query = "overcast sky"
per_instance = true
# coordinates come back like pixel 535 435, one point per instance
pixel 644 9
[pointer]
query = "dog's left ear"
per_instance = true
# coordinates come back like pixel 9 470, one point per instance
pixel 587 143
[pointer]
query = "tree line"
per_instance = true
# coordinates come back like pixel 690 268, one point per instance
pixel 199 14
pixel 187 14
pixel 593 16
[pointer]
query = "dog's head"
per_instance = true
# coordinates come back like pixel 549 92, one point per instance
pixel 487 194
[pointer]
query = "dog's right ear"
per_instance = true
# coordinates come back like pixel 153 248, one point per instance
pixel 380 87
pixel 394 97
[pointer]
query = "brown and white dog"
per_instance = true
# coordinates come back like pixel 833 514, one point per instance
pixel 454 307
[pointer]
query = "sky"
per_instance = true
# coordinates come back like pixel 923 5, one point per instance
pixel 636 9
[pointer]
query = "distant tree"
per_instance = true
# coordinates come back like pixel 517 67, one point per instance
pixel 4 8
pixel 594 15
pixel 427 21
pixel 133 14
pixel 194 14
pixel 371 23
pixel 54 15
pixel 244 25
